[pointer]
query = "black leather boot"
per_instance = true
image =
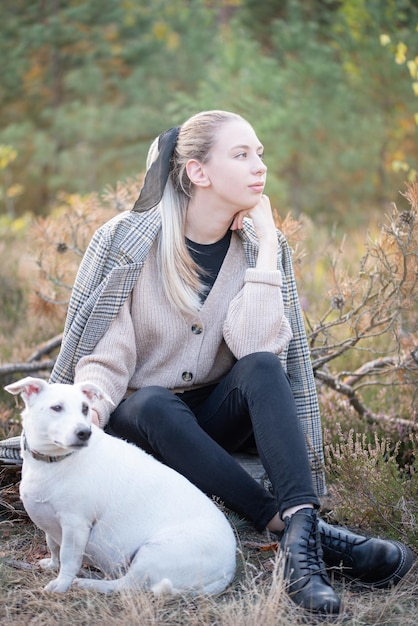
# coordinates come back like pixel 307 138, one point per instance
pixel 372 562
pixel 307 581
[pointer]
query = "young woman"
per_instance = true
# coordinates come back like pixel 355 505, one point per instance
pixel 185 311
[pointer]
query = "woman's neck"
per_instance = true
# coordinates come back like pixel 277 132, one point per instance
pixel 204 224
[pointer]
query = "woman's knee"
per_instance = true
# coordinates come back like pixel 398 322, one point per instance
pixel 151 400
pixel 147 404
pixel 261 374
pixel 146 415
pixel 260 364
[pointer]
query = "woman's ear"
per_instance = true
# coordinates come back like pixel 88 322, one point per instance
pixel 196 173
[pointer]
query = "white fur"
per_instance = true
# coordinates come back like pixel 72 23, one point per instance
pixel 111 505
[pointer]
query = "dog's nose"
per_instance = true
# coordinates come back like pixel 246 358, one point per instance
pixel 83 434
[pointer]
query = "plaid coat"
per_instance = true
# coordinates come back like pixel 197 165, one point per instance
pixel 109 271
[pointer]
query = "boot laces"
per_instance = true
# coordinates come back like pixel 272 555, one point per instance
pixel 341 543
pixel 311 554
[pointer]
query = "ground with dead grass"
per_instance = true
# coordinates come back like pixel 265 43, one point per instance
pixel 255 598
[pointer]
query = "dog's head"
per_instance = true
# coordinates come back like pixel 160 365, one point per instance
pixel 57 417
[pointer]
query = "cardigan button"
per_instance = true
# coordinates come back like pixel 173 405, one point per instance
pixel 187 376
pixel 197 329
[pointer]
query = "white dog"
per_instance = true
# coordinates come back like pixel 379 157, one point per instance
pixel 107 503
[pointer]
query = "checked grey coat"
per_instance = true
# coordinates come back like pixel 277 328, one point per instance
pixel 107 274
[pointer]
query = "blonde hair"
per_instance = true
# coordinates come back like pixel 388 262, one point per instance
pixel 178 271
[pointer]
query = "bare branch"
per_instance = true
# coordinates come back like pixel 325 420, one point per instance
pixel 374 312
pixel 26 368
pixel 46 348
pixel 357 403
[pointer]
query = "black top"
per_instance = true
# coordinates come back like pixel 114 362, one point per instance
pixel 209 257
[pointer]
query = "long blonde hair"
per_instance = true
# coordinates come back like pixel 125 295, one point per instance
pixel 178 271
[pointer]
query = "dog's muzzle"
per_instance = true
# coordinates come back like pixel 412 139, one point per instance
pixel 83 435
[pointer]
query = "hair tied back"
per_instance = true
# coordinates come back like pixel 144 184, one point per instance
pixel 158 173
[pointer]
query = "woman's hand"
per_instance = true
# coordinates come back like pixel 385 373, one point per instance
pixel 94 417
pixel 265 228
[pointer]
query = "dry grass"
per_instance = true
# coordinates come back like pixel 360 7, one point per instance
pixel 256 596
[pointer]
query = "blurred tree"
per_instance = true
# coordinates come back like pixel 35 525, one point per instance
pixel 8 190
pixel 333 107
pixel 87 86
pixel 260 18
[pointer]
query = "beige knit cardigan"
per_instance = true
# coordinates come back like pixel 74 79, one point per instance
pixel 151 343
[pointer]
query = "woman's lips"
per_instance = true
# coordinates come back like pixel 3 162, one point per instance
pixel 259 187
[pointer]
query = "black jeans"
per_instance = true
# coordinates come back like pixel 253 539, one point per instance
pixel 195 432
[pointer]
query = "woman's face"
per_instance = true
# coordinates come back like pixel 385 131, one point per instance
pixel 235 169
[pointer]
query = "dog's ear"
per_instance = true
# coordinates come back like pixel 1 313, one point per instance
pixel 29 387
pixel 93 392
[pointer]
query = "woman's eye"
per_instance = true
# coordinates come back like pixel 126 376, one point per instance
pixel 241 155
pixel 261 156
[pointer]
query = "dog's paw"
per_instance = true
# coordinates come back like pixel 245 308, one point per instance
pixel 58 586
pixel 48 564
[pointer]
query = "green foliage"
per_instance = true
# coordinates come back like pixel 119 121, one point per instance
pixel 88 85
pixel 93 85
pixel 8 190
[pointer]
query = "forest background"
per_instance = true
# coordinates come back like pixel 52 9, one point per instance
pixel 331 89
pixel 329 85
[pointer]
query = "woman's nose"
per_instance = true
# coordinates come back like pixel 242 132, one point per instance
pixel 260 166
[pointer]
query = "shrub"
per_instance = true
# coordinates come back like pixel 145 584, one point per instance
pixel 369 488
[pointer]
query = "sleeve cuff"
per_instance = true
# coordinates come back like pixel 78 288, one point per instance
pixel 270 277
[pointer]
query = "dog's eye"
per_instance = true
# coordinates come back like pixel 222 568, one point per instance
pixel 85 409
pixel 57 408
